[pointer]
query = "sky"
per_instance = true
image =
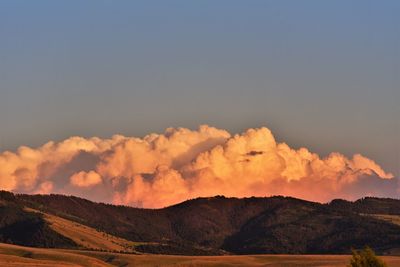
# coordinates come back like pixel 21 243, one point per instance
pixel 322 75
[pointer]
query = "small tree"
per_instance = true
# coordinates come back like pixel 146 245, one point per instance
pixel 365 258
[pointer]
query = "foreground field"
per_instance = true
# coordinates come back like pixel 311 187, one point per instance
pixel 11 255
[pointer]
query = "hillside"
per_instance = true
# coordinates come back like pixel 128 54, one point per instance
pixel 219 225
pixel 86 237
pixel 18 226
pixel 30 227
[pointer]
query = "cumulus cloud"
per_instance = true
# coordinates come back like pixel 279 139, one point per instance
pixel 85 179
pixel 164 169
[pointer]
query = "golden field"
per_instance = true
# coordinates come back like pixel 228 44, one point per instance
pixel 17 256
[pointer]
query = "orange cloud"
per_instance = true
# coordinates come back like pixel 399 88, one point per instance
pixel 163 169
pixel 85 179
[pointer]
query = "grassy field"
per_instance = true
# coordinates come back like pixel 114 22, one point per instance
pixel 11 255
pixel 87 237
pixel 395 219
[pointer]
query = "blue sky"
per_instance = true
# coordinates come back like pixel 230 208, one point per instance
pixel 319 74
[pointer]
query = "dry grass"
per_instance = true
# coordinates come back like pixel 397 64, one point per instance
pixel 85 236
pixel 395 219
pixel 11 255
pixel 246 260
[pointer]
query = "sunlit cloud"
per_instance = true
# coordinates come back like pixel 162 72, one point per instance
pixel 164 169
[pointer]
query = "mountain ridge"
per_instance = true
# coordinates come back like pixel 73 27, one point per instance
pixel 221 225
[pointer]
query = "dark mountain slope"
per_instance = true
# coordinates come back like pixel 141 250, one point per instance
pixel 20 227
pixel 369 205
pixel 242 226
pixel 318 231
pixel 134 224
pixel 209 221
pixel 203 222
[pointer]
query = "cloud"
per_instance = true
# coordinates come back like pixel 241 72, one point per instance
pixel 44 188
pixel 163 169
pixel 85 179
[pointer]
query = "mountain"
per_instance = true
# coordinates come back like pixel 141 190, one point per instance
pixel 209 226
pixel 17 226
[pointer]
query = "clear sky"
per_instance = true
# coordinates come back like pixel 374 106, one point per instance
pixel 319 74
